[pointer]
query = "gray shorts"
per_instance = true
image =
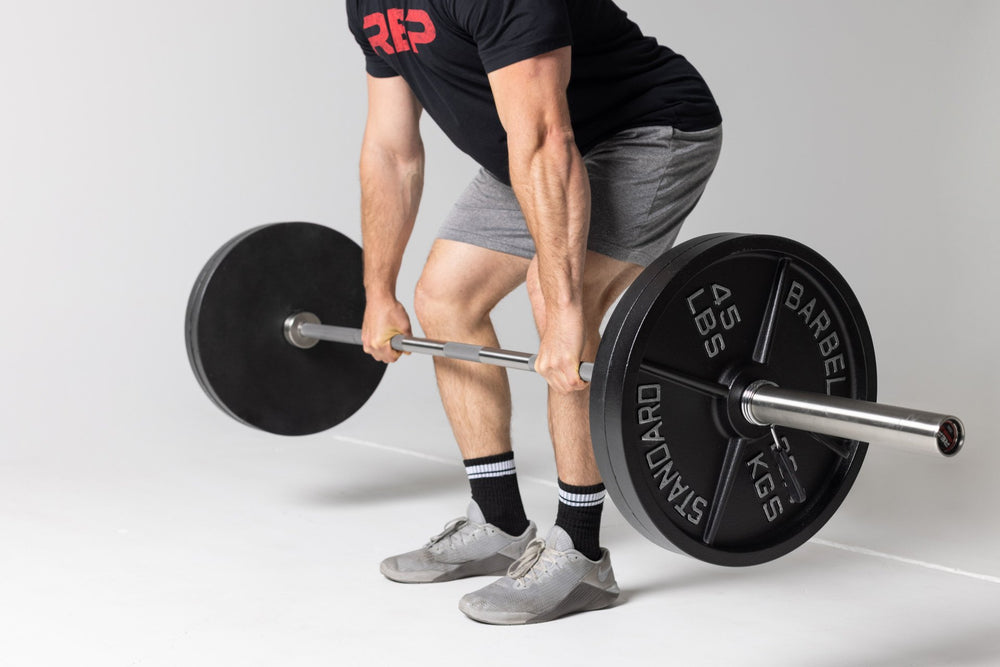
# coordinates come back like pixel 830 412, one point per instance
pixel 643 184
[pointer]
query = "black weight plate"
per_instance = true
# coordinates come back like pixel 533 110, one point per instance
pixel 720 311
pixel 235 337
pixel 621 489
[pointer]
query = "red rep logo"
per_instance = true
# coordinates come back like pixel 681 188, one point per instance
pixel 391 25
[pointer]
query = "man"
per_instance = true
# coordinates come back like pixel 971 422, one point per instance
pixel 595 143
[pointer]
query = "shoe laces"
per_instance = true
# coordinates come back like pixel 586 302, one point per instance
pixel 535 562
pixel 450 529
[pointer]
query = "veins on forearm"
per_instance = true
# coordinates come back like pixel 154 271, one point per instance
pixel 551 183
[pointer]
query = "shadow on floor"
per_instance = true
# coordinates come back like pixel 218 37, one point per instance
pixel 673 572
pixel 428 482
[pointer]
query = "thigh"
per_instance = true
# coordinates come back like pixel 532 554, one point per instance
pixel 604 279
pixel 487 214
pixel 471 275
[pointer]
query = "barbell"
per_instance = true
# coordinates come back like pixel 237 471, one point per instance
pixel 731 400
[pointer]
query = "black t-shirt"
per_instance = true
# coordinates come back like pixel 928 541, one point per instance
pixel 620 78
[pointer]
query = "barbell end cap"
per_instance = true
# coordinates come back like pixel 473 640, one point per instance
pixel 293 333
pixel 950 436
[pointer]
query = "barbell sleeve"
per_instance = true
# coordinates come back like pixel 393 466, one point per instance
pixel 330 333
pixel 765 404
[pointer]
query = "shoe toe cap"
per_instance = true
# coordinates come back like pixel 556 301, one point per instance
pixel 406 568
pixel 485 610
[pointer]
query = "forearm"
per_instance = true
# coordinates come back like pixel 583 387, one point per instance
pixel 550 181
pixel 391 186
pixel 551 185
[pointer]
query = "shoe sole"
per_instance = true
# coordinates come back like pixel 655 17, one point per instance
pixel 496 565
pixel 582 598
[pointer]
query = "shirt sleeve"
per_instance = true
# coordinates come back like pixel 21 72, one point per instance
pixel 374 65
pixel 508 31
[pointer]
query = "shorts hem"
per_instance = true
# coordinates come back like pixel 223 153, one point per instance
pixel 483 241
pixel 640 256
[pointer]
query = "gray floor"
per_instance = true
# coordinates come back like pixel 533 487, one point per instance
pixel 238 548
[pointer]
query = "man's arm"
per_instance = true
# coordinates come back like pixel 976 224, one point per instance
pixel 392 180
pixel 550 181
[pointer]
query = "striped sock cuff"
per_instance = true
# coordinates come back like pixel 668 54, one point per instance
pixel 581 496
pixel 499 465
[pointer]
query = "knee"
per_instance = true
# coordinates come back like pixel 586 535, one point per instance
pixel 429 303
pixel 441 306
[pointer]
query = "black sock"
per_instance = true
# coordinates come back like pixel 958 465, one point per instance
pixel 580 516
pixel 494 488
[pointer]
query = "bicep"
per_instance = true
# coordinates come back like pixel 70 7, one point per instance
pixel 393 121
pixel 530 96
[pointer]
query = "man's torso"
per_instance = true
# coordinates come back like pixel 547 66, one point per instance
pixel 444 49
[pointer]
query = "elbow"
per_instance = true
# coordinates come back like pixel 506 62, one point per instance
pixel 551 137
pixel 408 158
pixel 560 141
pixel 557 135
pixel 553 146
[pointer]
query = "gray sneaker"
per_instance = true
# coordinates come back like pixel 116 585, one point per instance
pixel 467 547
pixel 550 580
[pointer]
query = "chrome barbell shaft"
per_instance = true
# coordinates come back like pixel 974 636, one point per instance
pixel 304 330
pixel 765 404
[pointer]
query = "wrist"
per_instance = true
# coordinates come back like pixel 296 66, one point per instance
pixel 565 309
pixel 381 294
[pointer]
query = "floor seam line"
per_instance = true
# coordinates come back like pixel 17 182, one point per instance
pixel 431 457
pixel 864 551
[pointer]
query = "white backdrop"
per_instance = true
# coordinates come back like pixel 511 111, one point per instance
pixel 135 138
